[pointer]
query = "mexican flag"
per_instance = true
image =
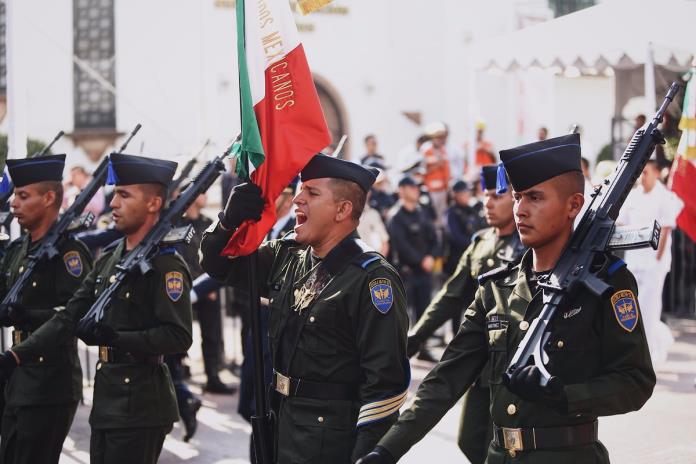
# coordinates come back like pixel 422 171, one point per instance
pixel 684 168
pixel 283 125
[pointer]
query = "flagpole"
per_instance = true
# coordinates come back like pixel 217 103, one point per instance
pixel 261 421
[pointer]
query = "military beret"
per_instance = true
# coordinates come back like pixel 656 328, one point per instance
pixel 489 177
pixel 27 171
pixel 131 169
pixel 531 164
pixel 321 166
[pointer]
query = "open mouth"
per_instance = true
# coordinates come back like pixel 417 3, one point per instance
pixel 300 218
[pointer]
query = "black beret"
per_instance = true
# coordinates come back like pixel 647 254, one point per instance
pixel 131 169
pixel 27 171
pixel 531 164
pixel 327 166
pixel 489 176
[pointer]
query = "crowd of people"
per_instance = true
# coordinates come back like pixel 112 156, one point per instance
pixel 435 228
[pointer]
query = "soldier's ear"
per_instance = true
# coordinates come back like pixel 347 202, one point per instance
pixel 575 204
pixel 344 210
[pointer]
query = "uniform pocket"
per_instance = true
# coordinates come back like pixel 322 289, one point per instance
pixel 316 432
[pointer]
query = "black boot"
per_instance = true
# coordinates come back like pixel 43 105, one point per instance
pixel 215 385
pixel 188 411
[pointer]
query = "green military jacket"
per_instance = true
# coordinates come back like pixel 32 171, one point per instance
pixel 152 315
pixel 605 367
pixel 353 332
pixel 51 376
pixel 487 251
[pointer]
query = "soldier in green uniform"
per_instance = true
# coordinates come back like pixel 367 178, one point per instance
pixel 41 394
pixel 338 318
pixel 490 249
pixel 134 403
pixel 601 360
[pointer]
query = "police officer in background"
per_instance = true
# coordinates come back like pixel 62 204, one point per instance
pixel 491 248
pixel 134 403
pixel 462 221
pixel 601 361
pixel 42 393
pixel 338 317
pixel 414 246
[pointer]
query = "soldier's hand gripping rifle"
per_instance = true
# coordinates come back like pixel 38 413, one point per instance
pixel 581 265
pixel 68 222
pixel 138 260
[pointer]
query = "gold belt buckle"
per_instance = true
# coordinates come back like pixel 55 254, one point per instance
pixel 512 439
pixel 16 336
pixel 282 384
pixel 104 353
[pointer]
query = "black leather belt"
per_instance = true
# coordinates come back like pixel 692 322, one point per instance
pixel 109 354
pixel 545 437
pixel 288 386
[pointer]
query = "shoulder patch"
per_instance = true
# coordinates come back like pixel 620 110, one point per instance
pixel 174 284
pixel 382 294
pixel 625 309
pixel 73 263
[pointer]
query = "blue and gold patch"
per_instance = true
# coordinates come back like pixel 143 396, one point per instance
pixel 625 309
pixel 382 295
pixel 73 263
pixel 174 284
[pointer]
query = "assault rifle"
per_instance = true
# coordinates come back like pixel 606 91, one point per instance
pixel 138 260
pixel 5 215
pixel 582 266
pixel 186 170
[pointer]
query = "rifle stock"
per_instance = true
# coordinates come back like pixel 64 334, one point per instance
pixel 579 266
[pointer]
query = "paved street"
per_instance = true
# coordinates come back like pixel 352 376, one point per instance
pixel 662 432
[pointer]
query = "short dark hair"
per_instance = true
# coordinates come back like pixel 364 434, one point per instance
pixel 52 186
pixel 156 190
pixel 349 191
pixel 368 137
pixel 571 182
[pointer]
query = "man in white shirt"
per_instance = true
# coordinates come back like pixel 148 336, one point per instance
pixel 652 201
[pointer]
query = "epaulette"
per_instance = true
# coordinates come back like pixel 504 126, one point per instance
pixel 111 246
pixel 496 273
pixel 170 250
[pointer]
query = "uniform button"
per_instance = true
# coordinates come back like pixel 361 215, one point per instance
pixel 524 325
pixel 511 409
pixel 112 279
pixel 96 291
pixel 99 366
pixel 490 262
pixel 311 318
pixel 21 269
pixel 560 344
pixel 512 453
pixel 127 294
pixel 127 380
pixel 40 359
pixel 33 284
pixel 320 419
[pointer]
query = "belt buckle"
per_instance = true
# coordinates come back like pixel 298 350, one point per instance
pixel 104 353
pixel 282 384
pixel 16 337
pixel 512 439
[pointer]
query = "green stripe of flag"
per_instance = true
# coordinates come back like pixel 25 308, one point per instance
pixel 251 148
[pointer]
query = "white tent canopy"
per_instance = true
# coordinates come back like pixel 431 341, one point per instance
pixel 614 34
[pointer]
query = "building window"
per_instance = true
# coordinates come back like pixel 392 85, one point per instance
pixel 93 45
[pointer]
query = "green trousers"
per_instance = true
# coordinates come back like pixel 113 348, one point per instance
pixel 35 434
pixel 475 426
pixel 119 446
